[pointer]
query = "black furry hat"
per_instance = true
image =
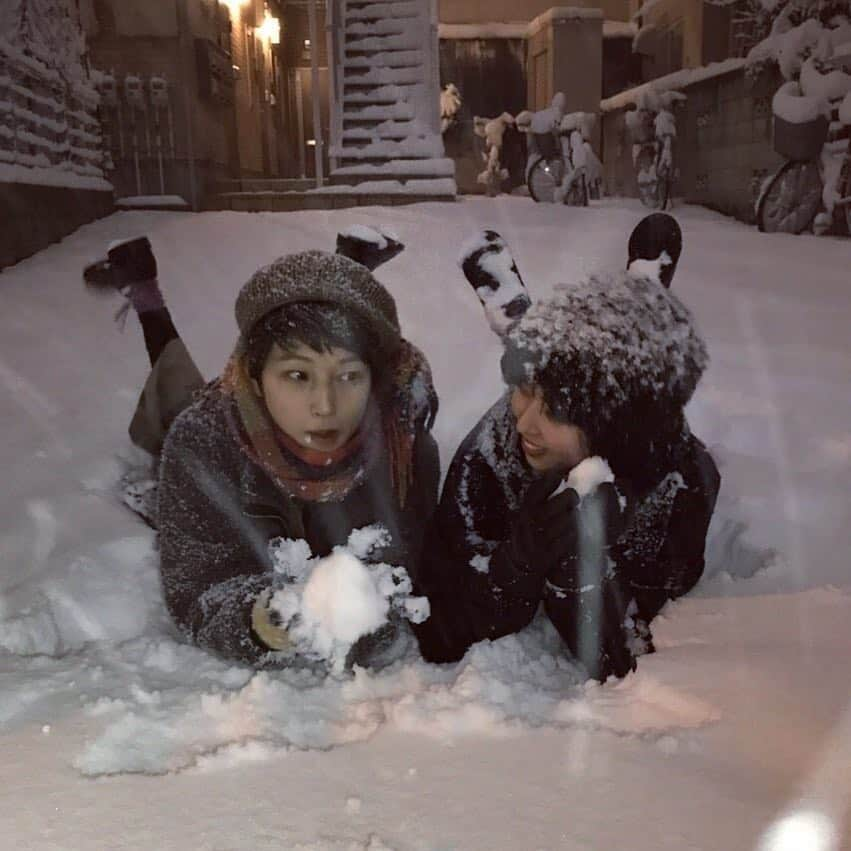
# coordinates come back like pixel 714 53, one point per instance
pixel 618 355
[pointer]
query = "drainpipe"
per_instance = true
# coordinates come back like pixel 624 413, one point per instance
pixel 187 63
pixel 314 87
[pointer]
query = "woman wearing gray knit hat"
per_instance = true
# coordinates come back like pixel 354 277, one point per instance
pixel 582 490
pixel 317 428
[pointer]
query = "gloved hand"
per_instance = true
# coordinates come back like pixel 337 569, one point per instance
pixel 266 624
pixel 127 263
pixel 584 600
pixel 540 535
pixel 588 532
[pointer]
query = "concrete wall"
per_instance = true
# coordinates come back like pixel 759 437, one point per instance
pixel 724 147
pixel 36 216
pixel 566 55
pixel 479 11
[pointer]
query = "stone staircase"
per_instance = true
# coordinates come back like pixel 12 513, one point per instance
pixel 389 142
pixel 385 145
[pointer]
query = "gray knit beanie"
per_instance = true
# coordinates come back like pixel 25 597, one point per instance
pixel 318 276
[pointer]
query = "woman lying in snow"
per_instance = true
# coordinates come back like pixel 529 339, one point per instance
pixel 597 377
pixel 318 426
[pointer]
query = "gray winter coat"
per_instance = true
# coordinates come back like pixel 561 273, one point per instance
pixel 218 511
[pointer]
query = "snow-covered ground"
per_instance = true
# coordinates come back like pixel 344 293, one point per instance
pixel 115 736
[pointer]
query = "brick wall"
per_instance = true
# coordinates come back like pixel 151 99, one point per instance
pixel 724 145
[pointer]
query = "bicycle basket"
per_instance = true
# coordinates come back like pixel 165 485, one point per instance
pixel 546 145
pixel 800 142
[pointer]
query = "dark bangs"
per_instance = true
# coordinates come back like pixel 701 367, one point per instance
pixel 319 325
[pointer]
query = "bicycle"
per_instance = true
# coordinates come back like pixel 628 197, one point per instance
pixel 653 147
pixel 792 197
pixel 560 173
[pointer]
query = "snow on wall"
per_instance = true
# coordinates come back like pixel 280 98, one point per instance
pixel 677 80
pixel 49 132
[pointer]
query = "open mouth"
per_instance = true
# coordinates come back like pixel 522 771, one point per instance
pixel 323 437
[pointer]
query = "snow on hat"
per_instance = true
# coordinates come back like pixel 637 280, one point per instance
pixel 614 346
pixel 318 276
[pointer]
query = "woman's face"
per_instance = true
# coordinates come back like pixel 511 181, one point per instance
pixel 316 398
pixel 547 444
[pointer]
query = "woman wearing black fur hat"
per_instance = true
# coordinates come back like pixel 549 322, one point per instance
pixel 318 426
pixel 598 377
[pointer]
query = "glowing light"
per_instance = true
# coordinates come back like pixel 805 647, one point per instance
pixel 804 830
pixel 234 6
pixel 270 29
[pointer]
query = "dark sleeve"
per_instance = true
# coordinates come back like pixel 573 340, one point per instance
pixel 678 563
pixel 421 499
pixel 213 564
pixel 471 521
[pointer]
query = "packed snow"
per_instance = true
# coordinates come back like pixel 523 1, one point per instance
pixel 736 732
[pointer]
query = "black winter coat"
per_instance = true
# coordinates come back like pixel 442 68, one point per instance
pixel 218 511
pixel 658 557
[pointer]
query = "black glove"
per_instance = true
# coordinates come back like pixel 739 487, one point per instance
pixel 588 533
pixel 126 263
pixel 539 537
pixel 585 600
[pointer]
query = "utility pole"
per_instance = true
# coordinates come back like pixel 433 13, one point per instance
pixel 319 143
pixel 187 67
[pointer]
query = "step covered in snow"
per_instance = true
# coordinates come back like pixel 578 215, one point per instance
pixel 385 77
pixel 370 42
pixel 386 59
pixel 437 167
pixel 438 186
pixel 385 130
pixel 383 11
pixel 386 27
pixel 394 110
pixel 431 146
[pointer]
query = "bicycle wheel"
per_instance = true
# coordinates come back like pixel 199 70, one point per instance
pixel 577 195
pixel 663 193
pixel 545 177
pixel 844 188
pixel 791 200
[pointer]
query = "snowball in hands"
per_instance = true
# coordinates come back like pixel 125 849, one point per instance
pixel 333 601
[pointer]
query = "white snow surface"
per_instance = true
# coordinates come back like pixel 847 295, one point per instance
pixel 737 731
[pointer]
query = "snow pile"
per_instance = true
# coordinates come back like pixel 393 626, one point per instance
pixel 233 715
pixel 510 732
pixel 329 603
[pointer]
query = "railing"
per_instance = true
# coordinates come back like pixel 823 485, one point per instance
pixel 336 38
pixel 48 124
